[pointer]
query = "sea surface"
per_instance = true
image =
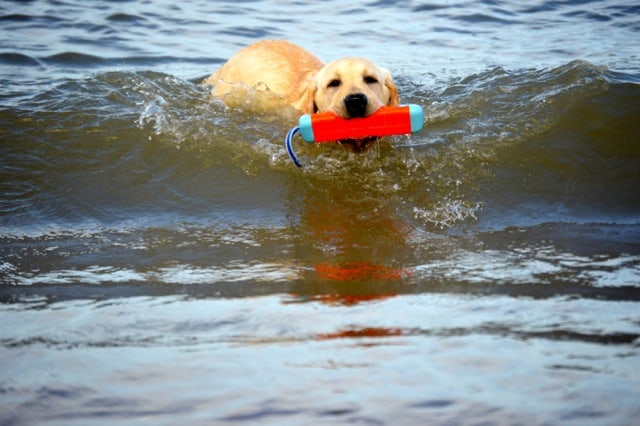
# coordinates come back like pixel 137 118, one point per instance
pixel 162 261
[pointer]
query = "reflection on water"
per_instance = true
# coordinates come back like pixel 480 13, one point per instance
pixel 357 271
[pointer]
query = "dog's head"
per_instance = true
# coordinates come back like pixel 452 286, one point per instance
pixel 353 87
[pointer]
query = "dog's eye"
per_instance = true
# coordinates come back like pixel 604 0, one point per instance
pixel 370 80
pixel 334 83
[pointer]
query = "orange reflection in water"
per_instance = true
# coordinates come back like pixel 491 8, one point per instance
pixel 350 283
pixel 361 332
pixel 359 271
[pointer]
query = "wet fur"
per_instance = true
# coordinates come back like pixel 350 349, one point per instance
pixel 303 82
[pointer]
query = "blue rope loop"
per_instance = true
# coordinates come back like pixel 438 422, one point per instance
pixel 287 143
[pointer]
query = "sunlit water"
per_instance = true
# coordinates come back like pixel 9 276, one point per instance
pixel 162 260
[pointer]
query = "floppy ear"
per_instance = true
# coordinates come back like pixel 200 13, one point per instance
pixel 306 103
pixel 394 100
pixel 312 107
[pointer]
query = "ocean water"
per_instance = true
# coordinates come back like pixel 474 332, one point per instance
pixel 162 260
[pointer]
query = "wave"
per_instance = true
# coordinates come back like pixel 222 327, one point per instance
pixel 14 58
pixel 593 260
pixel 545 145
pixel 86 60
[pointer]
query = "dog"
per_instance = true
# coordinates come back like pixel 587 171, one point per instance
pixel 350 87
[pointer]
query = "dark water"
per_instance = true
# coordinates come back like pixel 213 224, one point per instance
pixel 162 261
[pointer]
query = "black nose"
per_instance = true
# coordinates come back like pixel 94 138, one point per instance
pixel 356 105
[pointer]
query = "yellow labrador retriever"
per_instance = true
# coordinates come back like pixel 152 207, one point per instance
pixel 349 87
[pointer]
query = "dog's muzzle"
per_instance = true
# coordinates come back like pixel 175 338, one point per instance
pixel 356 105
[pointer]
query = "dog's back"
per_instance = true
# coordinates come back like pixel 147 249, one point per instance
pixel 278 66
